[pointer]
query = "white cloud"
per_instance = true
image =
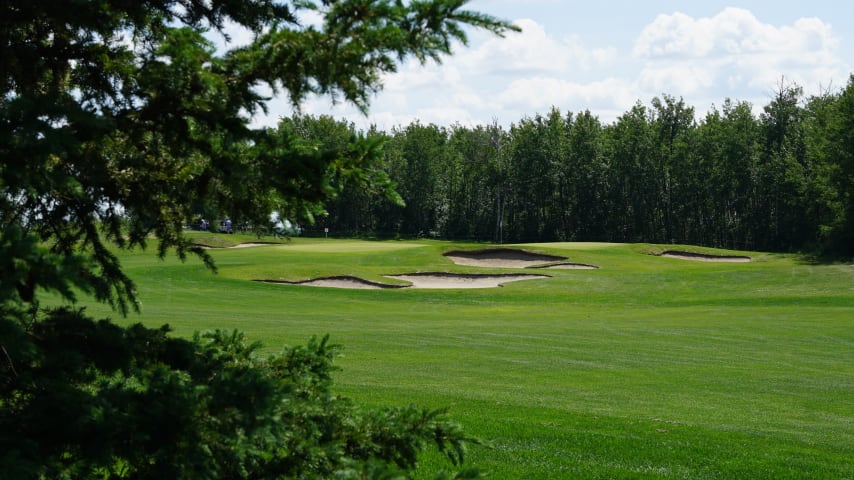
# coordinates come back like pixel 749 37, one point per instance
pixel 734 31
pixel 685 55
pixel 500 79
pixel 413 76
pixel 685 77
pixel 494 78
pixel 539 94
pixel 533 51
pixel 732 54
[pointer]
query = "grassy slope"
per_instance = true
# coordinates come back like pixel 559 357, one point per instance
pixel 646 368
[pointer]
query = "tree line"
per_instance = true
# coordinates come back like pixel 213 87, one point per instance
pixel 781 180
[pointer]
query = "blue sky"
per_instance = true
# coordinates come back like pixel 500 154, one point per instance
pixel 604 56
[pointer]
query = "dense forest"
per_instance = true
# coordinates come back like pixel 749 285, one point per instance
pixel 782 180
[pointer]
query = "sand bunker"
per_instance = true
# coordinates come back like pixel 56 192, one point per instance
pixel 501 258
pixel 338 282
pixel 253 244
pixel 451 280
pixel 572 266
pixel 239 245
pixel 417 280
pixel 702 257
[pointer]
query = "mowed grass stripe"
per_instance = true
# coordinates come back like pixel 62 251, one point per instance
pixel 648 367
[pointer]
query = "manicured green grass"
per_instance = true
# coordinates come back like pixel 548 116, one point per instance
pixel 648 367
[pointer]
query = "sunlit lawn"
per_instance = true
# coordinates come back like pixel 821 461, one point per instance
pixel 648 367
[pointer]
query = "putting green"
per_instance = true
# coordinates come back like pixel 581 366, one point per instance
pixel 346 246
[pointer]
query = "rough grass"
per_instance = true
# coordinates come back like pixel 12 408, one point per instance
pixel 648 367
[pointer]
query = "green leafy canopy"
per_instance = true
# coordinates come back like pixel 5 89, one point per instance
pixel 118 117
pixel 118 120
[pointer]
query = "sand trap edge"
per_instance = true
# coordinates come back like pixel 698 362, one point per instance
pixel 434 280
pixel 342 281
pixel 704 257
pixel 501 258
pixel 254 244
pixel 239 245
pixel 569 266
pixel 448 281
pixel 504 253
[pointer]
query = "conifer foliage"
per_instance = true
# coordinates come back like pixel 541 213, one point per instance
pixel 117 119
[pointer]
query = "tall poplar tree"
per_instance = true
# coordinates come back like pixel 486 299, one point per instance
pixel 841 136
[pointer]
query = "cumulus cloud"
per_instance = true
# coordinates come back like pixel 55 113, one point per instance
pixel 686 78
pixel 705 60
pixel 502 79
pixel 534 51
pixel 737 49
pixel 734 31
pixel 539 94
pixel 493 79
